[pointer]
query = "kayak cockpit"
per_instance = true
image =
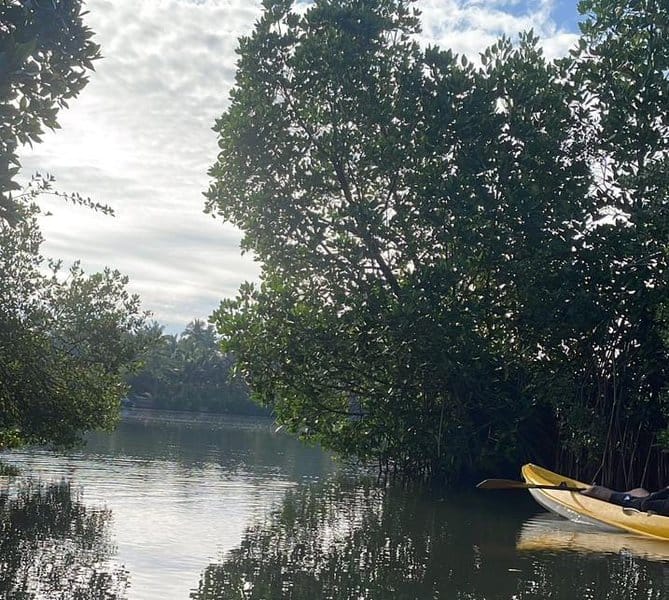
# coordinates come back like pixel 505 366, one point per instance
pixel 584 509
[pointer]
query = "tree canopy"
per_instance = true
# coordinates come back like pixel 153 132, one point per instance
pixel 463 266
pixel 66 341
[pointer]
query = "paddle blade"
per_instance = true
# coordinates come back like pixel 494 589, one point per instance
pixel 501 484
pixel 512 484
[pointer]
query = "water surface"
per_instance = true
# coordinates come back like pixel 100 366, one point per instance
pixel 212 509
pixel 179 493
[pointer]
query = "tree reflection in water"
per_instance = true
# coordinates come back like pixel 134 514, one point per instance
pixel 340 541
pixel 53 547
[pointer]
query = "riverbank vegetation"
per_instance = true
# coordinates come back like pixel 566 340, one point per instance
pixel 464 265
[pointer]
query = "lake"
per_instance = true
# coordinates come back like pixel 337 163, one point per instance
pixel 174 507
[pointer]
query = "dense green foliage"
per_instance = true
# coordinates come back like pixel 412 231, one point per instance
pixel 463 267
pixel 189 372
pixel 66 341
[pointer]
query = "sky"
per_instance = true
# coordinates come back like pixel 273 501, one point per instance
pixel 139 138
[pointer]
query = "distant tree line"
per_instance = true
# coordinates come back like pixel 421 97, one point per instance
pixel 464 266
pixel 189 372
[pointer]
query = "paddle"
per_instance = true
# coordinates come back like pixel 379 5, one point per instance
pixel 511 484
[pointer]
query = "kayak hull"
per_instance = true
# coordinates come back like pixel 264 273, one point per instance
pixel 591 511
pixel 563 510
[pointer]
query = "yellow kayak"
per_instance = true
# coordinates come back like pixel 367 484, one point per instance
pixel 592 511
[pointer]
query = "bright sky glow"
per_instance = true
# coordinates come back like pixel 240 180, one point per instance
pixel 139 137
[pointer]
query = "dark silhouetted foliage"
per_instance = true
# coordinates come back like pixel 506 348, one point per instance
pixel 463 267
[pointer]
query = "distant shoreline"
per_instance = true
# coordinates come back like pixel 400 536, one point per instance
pixel 174 416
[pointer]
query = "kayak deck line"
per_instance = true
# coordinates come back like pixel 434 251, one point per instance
pixel 588 510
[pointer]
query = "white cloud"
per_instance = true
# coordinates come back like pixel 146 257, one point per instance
pixel 469 26
pixel 139 138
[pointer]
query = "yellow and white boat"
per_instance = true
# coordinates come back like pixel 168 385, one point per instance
pixel 591 511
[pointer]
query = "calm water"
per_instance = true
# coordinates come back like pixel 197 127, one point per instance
pixel 213 510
